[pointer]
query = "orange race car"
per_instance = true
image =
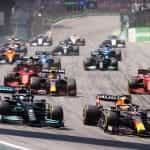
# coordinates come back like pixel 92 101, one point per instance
pixel 10 56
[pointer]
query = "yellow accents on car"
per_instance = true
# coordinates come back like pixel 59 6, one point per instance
pixel 52 88
pixel 139 126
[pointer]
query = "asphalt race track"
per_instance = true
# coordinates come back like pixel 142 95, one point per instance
pixel 76 136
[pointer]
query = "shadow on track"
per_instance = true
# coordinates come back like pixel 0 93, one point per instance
pixel 75 139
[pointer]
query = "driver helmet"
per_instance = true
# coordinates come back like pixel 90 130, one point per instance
pixel 123 103
pixel 52 74
pixel 30 60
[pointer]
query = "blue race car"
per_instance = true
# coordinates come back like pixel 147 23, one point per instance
pixel 102 59
pixel 47 60
pixel 43 59
pixel 107 50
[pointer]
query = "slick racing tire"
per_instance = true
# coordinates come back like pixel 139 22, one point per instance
pixel 131 84
pixel 57 63
pixel 61 86
pixel 10 78
pixel 118 55
pixel 116 65
pixel 76 50
pixel 91 115
pixel 56 113
pixel 34 82
pixel 83 42
pixel 4 107
pixel 108 118
pixel 72 88
pixel 103 121
pixel 57 51
pixel 17 57
pixel 146 118
pixel 86 63
pixel 40 109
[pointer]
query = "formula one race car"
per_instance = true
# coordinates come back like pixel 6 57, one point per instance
pixel 140 83
pixel 101 60
pixel 53 82
pixel 47 61
pixel 21 108
pixel 10 56
pixel 44 59
pixel 16 44
pixel 76 40
pixel 124 114
pixel 21 75
pixel 66 49
pixel 41 40
pixel 107 50
pixel 115 42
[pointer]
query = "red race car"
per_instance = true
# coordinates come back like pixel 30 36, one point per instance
pixel 21 75
pixel 140 84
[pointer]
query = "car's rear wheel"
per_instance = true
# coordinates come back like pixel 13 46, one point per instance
pixel 10 78
pixel 4 107
pixel 55 112
pixel 103 122
pixel 131 85
pixel 109 118
pixel 34 82
pixel 91 115
pixel 72 88
pixel 57 63
pixel 61 87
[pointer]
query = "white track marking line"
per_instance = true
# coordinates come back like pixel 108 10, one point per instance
pixel 13 145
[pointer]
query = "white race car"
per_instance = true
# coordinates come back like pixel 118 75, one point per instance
pixel 41 41
pixel 76 40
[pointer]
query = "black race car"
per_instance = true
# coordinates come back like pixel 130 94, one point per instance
pixel 76 40
pixel 41 40
pixel 123 115
pixel 53 82
pixel 101 62
pixel 107 50
pixel 66 49
pixel 21 108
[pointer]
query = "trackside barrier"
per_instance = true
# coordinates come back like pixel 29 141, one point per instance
pixel 139 34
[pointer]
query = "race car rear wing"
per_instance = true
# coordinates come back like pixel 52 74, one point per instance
pixel 144 71
pixel 7 89
pixel 43 53
pixel 12 90
pixel 62 71
pixel 25 58
pixel 111 98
